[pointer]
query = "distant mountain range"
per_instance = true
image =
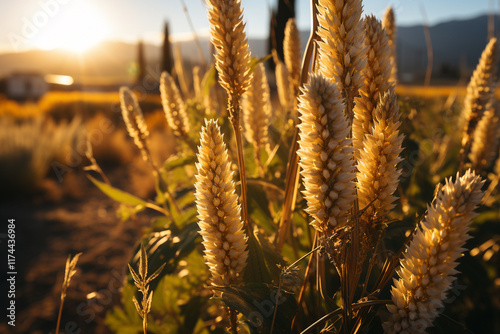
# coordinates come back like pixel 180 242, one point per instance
pixel 457 46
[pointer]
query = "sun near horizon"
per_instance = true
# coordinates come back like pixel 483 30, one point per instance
pixel 77 28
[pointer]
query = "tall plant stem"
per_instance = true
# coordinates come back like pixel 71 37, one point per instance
pixel 59 316
pixel 306 279
pixel 235 111
pixel 292 175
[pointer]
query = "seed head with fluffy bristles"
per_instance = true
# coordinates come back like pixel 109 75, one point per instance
pixel 377 175
pixel 341 50
pixel 229 38
pixel 218 210
pixel 480 89
pixel 428 266
pixel 134 121
pixel 257 109
pixel 485 141
pixel 376 76
pixel 389 24
pixel 291 50
pixel 325 153
pixel 173 106
pixel 285 87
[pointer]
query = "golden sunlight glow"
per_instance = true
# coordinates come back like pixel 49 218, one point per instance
pixel 76 27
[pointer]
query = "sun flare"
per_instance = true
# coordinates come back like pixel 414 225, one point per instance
pixel 76 27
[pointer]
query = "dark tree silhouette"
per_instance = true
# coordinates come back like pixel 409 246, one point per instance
pixel 166 54
pixel 141 63
pixel 279 17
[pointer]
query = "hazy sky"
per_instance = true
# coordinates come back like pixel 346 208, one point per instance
pixel 77 24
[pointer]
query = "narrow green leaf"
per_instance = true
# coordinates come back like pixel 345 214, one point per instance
pixel 117 194
pixel 257 303
pixel 256 61
pixel 263 260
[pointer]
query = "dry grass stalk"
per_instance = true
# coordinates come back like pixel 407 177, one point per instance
pixel 142 281
pixel 325 154
pixel 233 65
pixel 341 50
pixel 179 70
pixel 291 50
pixel 285 88
pixel 257 111
pixel 134 121
pixel 376 75
pixel 173 105
pixel 389 24
pixel 220 222
pixel 485 141
pixel 69 272
pixel 378 176
pixel 428 267
pixel 479 92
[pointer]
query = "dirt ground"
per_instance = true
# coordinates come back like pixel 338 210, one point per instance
pixel 46 232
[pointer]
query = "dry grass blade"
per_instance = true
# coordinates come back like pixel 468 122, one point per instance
pixel 69 272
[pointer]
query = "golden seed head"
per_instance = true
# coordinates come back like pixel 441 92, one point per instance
pixel 480 88
pixel 257 109
pixel 325 154
pixel 389 24
pixel 378 176
pixel 428 267
pixel 376 76
pixel 229 38
pixel 341 49
pixel 134 121
pixel 173 106
pixel 285 87
pixel 291 50
pixel 485 141
pixel 218 210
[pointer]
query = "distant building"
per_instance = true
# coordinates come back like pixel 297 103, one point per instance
pixel 24 86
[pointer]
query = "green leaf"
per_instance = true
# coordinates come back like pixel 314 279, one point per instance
pixel 125 319
pixel 263 260
pixel 256 61
pixel 177 161
pixel 208 80
pixel 191 312
pixel 257 303
pixel 117 194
